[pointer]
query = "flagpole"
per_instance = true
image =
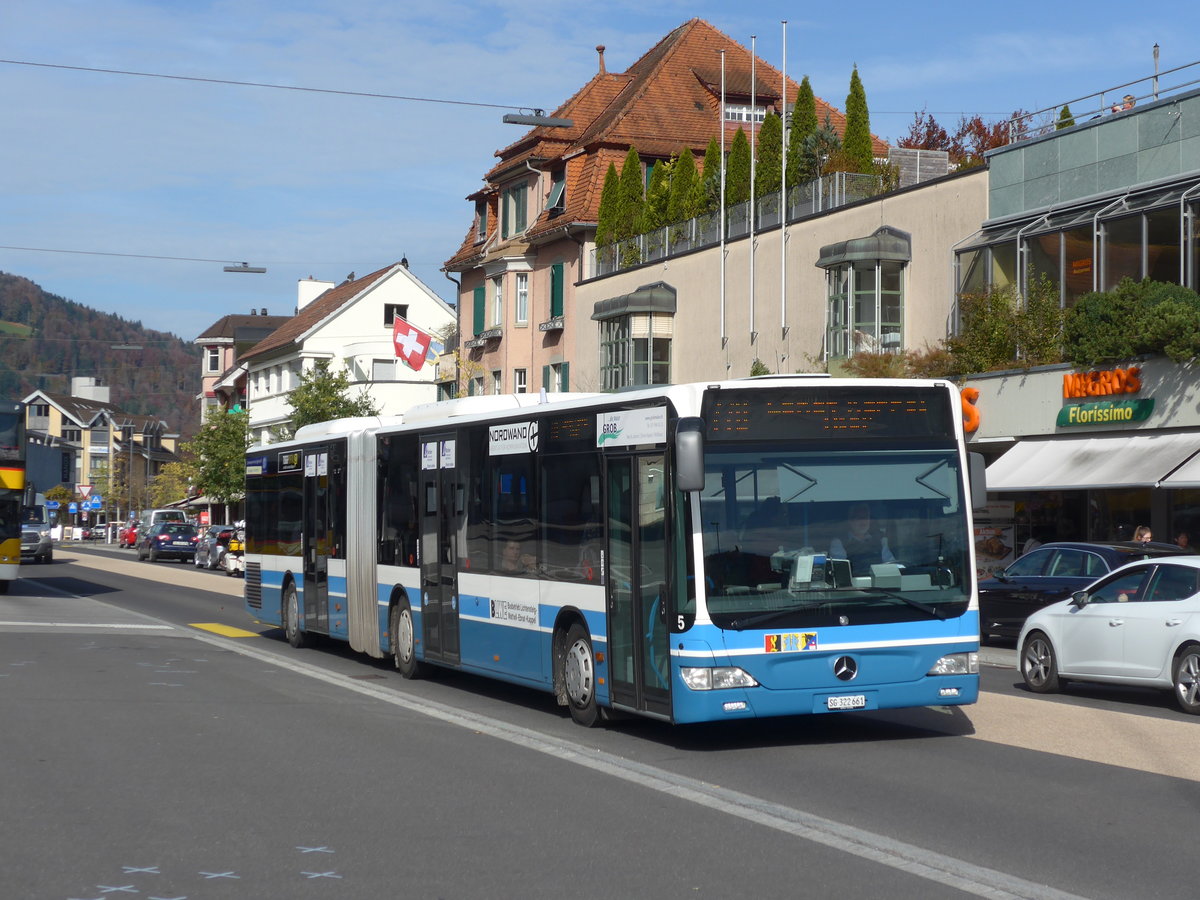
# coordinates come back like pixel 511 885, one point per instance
pixel 721 202
pixel 753 202
pixel 783 205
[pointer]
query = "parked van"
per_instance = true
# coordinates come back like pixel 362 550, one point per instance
pixel 152 517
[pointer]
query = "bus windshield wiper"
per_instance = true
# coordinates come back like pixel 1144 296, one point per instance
pixel 915 604
pixel 761 618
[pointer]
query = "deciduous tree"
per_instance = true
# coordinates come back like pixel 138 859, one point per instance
pixel 323 395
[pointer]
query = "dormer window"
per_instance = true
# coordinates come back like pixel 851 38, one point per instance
pixel 556 202
pixel 513 210
pixel 481 220
pixel 743 112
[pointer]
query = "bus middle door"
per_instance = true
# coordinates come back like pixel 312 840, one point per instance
pixel 638 638
pixel 316 540
pixel 442 511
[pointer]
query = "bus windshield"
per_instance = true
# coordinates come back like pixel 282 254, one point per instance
pixel 802 538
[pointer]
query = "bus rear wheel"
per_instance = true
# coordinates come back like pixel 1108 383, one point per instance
pixel 404 641
pixel 579 677
pixel 296 636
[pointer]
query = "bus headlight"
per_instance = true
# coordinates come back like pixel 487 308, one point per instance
pixel 716 679
pixel 956 664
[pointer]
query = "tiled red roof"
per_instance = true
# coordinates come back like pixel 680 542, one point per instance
pixel 667 101
pixel 314 313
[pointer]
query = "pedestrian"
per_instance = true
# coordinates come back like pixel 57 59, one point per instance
pixel 1142 535
pixel 1183 540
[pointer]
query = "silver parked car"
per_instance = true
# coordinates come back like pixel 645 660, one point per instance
pixel 36 545
pixel 1137 625
pixel 210 551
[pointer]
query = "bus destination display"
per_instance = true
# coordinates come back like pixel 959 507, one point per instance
pixel 827 413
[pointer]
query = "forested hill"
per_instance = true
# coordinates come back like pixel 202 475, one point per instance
pixel 46 339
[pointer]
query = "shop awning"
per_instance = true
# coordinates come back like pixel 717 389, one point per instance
pixel 1128 460
pixel 1187 475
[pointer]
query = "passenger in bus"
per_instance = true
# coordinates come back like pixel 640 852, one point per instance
pixel 862 546
pixel 513 561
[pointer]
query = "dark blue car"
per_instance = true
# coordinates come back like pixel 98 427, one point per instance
pixel 1051 573
pixel 169 540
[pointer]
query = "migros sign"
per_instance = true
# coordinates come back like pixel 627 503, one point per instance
pixel 1104 383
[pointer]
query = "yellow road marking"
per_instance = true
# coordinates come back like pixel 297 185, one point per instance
pixel 226 630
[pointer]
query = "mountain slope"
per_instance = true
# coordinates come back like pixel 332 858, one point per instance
pixel 46 339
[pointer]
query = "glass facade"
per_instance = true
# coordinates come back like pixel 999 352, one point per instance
pixel 635 350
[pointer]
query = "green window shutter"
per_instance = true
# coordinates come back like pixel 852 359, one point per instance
pixel 556 289
pixel 479 309
pixel 563 370
pixel 504 200
pixel 545 378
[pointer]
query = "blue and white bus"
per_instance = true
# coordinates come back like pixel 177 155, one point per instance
pixel 689 553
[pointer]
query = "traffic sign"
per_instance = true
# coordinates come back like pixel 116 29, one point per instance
pixel 73 508
pixel 94 504
pixel 52 504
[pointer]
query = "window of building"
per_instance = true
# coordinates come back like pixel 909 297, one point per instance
pixel 212 359
pixel 383 370
pixel 497 382
pixel 635 349
pixel 481 220
pixel 392 310
pixel 556 201
pixel 73 435
pixel 865 312
pixel 41 410
pixel 475 387
pixel 513 210
pixel 520 381
pixel 521 314
pixel 742 112
pixel 497 301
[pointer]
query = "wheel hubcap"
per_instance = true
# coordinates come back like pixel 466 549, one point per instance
pixel 579 674
pixel 293 608
pixel 404 635
pixel 1188 683
pixel 1037 662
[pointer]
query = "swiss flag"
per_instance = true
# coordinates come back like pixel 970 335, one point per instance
pixel 412 344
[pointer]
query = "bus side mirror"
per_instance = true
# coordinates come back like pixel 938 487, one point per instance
pixel 689 454
pixel 978 480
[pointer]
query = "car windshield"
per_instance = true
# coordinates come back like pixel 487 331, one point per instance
pixel 852 537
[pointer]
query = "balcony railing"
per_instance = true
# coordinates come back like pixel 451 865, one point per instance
pixel 804 201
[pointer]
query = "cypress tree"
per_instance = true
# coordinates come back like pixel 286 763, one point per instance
pixel 1065 119
pixel 737 170
pixel 769 152
pixel 607 211
pixel 682 202
pixel 658 195
pixel 857 139
pixel 630 197
pixel 804 123
pixel 708 188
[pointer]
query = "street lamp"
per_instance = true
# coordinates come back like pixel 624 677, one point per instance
pixel 247 268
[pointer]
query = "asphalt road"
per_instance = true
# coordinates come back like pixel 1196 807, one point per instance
pixel 159 743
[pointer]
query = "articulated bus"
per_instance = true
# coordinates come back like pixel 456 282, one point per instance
pixel 688 553
pixel 12 489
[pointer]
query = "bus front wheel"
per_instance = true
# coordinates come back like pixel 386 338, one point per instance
pixel 404 641
pixel 579 676
pixel 291 618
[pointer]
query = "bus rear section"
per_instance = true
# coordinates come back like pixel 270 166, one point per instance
pixel 12 489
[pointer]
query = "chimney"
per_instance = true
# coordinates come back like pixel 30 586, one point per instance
pixel 252 312
pixel 263 312
pixel 600 50
pixel 308 290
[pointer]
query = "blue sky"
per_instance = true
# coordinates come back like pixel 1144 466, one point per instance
pixel 327 184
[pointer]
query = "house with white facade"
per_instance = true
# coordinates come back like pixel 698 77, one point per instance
pixel 351 326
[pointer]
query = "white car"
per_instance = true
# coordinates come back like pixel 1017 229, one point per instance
pixel 1137 625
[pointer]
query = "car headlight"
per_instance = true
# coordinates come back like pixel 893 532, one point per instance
pixel 956 664
pixel 716 679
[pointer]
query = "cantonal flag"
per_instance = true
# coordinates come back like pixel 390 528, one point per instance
pixel 412 344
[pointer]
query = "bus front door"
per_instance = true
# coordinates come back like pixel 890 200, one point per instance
pixel 638 640
pixel 316 541
pixel 442 510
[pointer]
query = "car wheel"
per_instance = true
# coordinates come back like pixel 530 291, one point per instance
pixel 1185 675
pixel 1039 665
pixel 404 642
pixel 295 635
pixel 579 677
pixel 219 562
pixel 153 554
